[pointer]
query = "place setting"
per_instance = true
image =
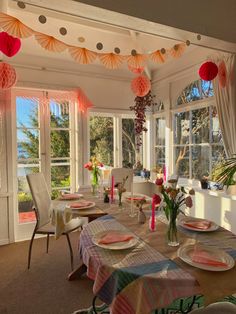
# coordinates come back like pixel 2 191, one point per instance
pixel 83 204
pixel 197 224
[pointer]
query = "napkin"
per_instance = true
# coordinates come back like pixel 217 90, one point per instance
pixel 70 196
pixel 110 238
pixel 80 204
pixel 138 198
pixel 203 257
pixel 201 224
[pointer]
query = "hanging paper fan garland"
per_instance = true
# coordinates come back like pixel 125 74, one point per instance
pixel 14 27
pixel 158 57
pixel 208 71
pixel 141 85
pixel 9 45
pixel 137 60
pixel 178 50
pixel 50 43
pixel 222 74
pixel 83 101
pixel 7 76
pixel 111 60
pixel 82 55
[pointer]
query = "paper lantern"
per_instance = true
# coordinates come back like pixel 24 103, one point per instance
pixel 208 71
pixel 222 74
pixel 141 85
pixel 9 45
pixel 7 76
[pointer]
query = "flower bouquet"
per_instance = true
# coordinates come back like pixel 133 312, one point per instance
pixel 94 166
pixel 121 189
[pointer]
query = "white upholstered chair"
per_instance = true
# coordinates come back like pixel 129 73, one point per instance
pixel 42 203
pixel 217 308
pixel 120 173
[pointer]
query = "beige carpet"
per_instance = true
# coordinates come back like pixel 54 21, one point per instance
pixel 44 289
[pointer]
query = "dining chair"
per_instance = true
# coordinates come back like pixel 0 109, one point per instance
pixel 120 173
pixel 42 205
pixel 217 308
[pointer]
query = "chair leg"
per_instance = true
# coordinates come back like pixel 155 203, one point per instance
pixel 30 249
pixel 47 242
pixel 71 251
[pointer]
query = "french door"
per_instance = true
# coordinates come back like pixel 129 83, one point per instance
pixel 46 142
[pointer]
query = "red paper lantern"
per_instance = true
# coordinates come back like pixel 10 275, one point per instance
pixel 7 76
pixel 208 71
pixel 222 74
pixel 9 45
pixel 141 85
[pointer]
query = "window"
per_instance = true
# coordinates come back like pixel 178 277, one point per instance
pixel 160 126
pixel 198 145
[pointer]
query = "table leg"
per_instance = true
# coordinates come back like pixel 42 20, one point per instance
pixel 78 272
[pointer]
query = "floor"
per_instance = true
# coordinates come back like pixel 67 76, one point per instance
pixel 44 289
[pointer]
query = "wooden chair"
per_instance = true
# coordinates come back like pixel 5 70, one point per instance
pixel 42 204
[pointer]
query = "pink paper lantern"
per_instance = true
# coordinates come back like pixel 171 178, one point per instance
pixel 208 71
pixel 141 85
pixel 7 76
pixel 9 45
pixel 222 74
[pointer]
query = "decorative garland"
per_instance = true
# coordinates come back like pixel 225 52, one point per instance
pixel 110 60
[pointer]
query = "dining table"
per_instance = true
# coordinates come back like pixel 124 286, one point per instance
pixel 151 275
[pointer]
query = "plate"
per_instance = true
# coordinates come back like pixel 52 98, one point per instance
pixel 69 197
pixel 118 245
pixel 182 221
pixel 184 253
pixel 78 208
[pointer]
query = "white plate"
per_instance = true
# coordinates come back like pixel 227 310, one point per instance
pixel 185 252
pixel 76 197
pixel 118 245
pixel 183 220
pixel 85 207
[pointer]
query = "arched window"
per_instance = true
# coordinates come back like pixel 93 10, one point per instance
pixel 197 140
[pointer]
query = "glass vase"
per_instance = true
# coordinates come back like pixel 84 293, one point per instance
pixel 95 190
pixel 120 204
pixel 172 232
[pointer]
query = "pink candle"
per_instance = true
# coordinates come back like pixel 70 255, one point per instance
pixel 112 189
pixel 164 173
pixel 153 218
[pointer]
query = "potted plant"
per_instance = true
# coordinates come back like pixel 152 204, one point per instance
pixel 226 173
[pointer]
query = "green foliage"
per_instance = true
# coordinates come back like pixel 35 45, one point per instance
pixel 224 173
pixel 24 197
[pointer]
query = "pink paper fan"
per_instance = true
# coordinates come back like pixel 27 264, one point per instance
pixel 222 74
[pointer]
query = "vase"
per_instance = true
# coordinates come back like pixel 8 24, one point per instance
pixel 94 189
pixel 172 232
pixel 120 204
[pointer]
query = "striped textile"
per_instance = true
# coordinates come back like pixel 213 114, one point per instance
pixel 136 280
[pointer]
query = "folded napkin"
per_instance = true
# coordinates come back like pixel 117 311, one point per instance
pixel 80 204
pixel 203 257
pixel 201 224
pixel 113 237
pixel 70 196
pixel 138 198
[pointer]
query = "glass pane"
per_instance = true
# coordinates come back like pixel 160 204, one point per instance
pixel 101 139
pixel 27 143
pixel 200 161
pixel 182 161
pixel 25 203
pixel 60 176
pixel 160 131
pixel 200 126
pixel 181 128
pixel 129 153
pixel 218 155
pixel 60 143
pixel 59 114
pixel 216 132
pixel 27 112
pixel 160 156
pixel 195 91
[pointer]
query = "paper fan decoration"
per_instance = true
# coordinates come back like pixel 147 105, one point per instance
pixel 136 70
pixel 208 71
pixel 178 50
pixel 83 101
pixel 82 55
pixel 136 61
pixel 158 57
pixel 50 43
pixel 14 27
pixel 9 45
pixel 7 76
pixel 222 74
pixel 141 85
pixel 111 60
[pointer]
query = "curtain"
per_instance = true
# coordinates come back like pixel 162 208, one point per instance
pixel 225 94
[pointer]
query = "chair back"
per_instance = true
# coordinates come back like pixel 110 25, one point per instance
pixel 41 197
pixel 217 308
pixel 120 173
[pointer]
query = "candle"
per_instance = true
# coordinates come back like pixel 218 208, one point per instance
pixel 132 213
pixel 112 189
pixel 153 218
pixel 164 173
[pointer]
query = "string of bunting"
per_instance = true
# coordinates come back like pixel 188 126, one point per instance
pixel 110 60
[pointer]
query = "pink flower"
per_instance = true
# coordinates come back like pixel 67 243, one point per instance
pixel 159 181
pixel 89 166
pixel 156 199
pixel 188 202
pixel 101 164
